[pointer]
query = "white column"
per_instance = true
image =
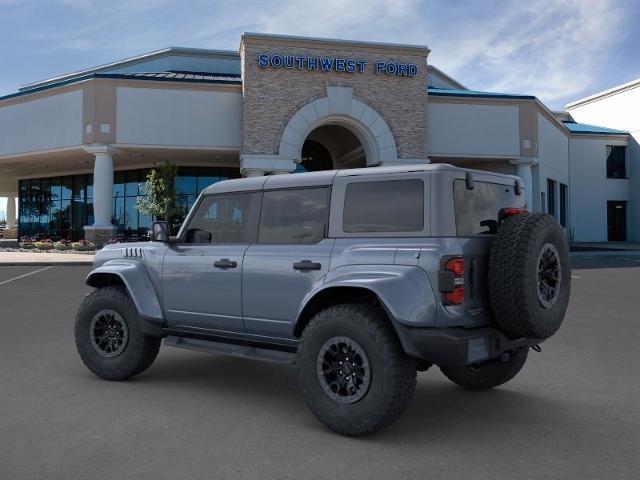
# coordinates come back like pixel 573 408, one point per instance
pixel 523 170
pixel 11 212
pixel 102 229
pixel 102 190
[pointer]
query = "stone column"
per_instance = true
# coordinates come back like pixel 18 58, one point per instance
pixel 523 170
pixel 102 228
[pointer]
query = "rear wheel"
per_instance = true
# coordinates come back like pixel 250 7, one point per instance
pixel 108 337
pixel 352 371
pixel 489 374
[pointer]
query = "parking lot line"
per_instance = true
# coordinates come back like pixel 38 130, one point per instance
pixel 25 275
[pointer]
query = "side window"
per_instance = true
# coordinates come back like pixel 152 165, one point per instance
pixel 384 206
pixel 616 161
pixel 224 218
pixel 294 216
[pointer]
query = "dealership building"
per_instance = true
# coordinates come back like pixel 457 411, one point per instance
pixel 75 149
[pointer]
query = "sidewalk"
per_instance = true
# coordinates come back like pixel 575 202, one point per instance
pixel 45 259
pixel 605 247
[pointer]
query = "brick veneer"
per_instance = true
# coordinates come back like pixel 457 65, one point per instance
pixel 271 96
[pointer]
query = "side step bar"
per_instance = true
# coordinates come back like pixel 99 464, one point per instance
pixel 220 348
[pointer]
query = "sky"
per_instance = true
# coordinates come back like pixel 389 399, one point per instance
pixel 558 50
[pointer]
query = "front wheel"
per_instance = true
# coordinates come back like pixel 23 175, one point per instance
pixel 352 370
pixel 488 374
pixel 108 337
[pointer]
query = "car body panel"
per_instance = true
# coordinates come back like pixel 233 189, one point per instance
pixel 135 276
pixel 272 289
pixel 199 294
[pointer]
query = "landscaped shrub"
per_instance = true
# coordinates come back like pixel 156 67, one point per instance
pixel 43 244
pixel 83 246
pixel 62 245
pixel 25 242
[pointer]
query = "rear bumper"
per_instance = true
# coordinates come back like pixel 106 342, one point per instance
pixel 461 346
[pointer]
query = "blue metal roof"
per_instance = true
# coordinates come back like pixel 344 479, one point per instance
pixel 446 92
pixel 586 128
pixel 223 78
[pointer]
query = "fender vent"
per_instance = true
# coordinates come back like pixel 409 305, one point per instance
pixel 134 252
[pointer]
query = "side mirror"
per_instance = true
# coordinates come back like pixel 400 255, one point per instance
pixel 159 232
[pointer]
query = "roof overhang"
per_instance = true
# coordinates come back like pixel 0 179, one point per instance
pixel 145 57
pixel 605 93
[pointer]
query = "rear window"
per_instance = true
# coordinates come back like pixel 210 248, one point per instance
pixel 384 206
pixel 477 210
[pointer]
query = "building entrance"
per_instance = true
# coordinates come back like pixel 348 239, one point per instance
pixel 331 147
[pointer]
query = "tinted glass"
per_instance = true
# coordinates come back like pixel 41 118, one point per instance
pixel 42 211
pixel 384 206
pixel 551 196
pixel 294 216
pixel 616 162
pixel 477 210
pixel 186 181
pixel 67 189
pixel 563 205
pixel 131 183
pixel 224 219
pixel 118 184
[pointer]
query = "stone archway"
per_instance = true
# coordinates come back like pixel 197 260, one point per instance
pixel 340 108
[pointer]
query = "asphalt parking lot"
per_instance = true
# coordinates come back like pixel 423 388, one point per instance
pixel 573 412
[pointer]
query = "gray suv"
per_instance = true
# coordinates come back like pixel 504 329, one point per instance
pixel 359 277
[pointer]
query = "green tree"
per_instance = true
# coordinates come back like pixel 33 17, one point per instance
pixel 160 196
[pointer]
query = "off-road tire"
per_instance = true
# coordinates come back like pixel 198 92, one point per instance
pixel 393 373
pixel 488 374
pixel 140 350
pixel 513 277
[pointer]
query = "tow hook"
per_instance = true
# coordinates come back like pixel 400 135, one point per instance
pixel 536 348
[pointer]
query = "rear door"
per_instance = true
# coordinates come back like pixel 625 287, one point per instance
pixel 291 255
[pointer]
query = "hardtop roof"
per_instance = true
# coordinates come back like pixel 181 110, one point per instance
pixel 326 178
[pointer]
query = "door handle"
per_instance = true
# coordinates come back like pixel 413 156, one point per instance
pixel 225 263
pixel 306 265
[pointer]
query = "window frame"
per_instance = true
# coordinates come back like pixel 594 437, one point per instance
pixel 563 201
pixel 338 196
pixel 625 162
pixel 552 200
pixel 180 238
pixel 325 233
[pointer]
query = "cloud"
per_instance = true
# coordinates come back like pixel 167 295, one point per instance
pixel 555 49
pixel 552 49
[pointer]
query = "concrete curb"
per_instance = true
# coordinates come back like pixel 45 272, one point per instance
pixel 607 253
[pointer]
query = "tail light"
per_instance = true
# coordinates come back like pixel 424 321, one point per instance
pixel 451 281
pixel 510 212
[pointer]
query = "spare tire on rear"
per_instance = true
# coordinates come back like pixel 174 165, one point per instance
pixel 529 276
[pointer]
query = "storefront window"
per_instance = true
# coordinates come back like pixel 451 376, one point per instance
pixel 60 207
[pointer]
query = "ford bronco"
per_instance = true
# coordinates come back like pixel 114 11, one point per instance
pixel 359 277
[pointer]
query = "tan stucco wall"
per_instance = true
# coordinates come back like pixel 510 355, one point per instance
pixel 271 96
